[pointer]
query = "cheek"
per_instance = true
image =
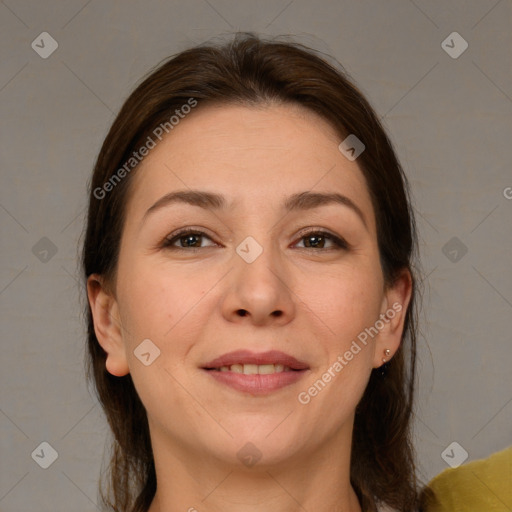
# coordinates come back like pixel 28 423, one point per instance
pixel 338 383
pixel 159 305
pixel 347 301
pixel 155 299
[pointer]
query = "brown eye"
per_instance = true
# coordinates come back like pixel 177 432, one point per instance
pixel 318 239
pixel 186 239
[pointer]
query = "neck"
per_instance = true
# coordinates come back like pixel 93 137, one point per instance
pixel 198 482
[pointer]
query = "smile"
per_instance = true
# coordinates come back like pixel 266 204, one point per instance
pixel 254 369
pixel 256 373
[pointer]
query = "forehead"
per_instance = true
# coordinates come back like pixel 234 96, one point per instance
pixel 250 153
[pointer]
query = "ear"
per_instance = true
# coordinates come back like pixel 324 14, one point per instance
pixel 107 325
pixel 393 311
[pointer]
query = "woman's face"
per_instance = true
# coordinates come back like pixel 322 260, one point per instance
pixel 272 263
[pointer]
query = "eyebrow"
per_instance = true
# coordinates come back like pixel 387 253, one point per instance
pixel 311 200
pixel 296 202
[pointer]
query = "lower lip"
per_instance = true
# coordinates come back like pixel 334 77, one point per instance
pixel 257 384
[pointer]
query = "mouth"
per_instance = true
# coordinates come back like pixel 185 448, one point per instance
pixel 251 363
pixel 256 373
pixel 254 369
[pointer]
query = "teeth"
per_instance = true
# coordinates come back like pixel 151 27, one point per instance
pixel 237 368
pixel 250 369
pixel 254 369
pixel 266 369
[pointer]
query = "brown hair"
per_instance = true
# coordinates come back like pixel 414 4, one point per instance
pixel 248 70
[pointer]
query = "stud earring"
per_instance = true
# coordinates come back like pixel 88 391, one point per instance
pixel 387 352
pixel 383 370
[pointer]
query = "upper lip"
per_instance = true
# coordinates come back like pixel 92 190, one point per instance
pixel 248 357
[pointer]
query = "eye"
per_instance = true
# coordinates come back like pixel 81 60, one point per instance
pixel 186 239
pixel 317 240
pixel 192 239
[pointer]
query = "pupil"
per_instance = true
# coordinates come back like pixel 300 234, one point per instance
pixel 316 241
pixel 190 238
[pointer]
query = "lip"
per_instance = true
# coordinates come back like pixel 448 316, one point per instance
pixel 256 384
pixel 248 357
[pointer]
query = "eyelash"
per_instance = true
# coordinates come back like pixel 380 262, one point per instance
pixel 340 243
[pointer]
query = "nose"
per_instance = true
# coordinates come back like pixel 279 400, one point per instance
pixel 259 292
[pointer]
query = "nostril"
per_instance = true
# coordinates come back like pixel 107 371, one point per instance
pixel 243 312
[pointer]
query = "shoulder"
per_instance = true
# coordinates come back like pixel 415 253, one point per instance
pixel 479 485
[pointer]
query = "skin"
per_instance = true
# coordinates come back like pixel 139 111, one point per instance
pixel 187 303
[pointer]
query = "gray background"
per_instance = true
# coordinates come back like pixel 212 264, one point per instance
pixel 450 120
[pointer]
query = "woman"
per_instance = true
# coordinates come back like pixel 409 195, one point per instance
pixel 248 260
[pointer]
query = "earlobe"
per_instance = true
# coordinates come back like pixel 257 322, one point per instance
pixel 107 325
pixel 395 304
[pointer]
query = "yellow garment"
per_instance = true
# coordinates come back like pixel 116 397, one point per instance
pixel 480 486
